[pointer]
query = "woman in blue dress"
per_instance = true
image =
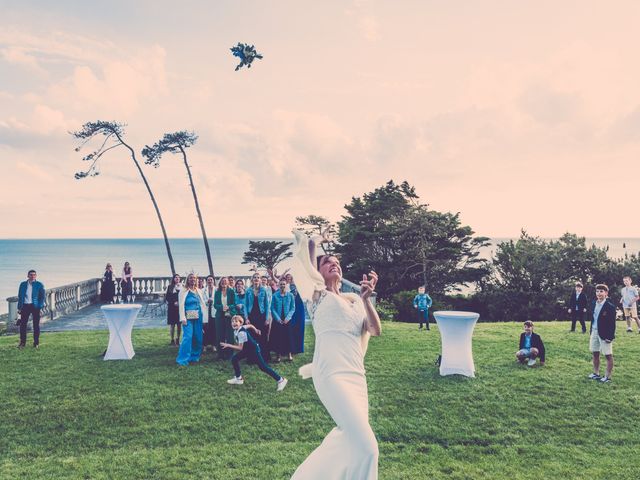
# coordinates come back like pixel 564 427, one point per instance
pixel 192 307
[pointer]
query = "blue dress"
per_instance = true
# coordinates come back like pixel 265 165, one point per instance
pixel 191 346
pixel 296 325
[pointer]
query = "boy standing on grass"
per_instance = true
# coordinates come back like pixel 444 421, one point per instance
pixel 629 302
pixel 603 331
pixel 248 346
pixel 531 346
pixel 422 302
pixel 577 308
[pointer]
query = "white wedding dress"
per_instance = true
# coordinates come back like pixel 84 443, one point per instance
pixel 350 450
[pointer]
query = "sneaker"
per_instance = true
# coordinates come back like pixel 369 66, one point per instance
pixel 281 384
pixel 36 346
pixel 605 379
pixel 20 345
pixel 594 376
pixel 235 381
pixel 629 330
pixel 531 362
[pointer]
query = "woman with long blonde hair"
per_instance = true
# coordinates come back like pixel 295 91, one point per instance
pixel 192 308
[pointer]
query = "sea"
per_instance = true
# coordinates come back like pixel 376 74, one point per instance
pixel 63 261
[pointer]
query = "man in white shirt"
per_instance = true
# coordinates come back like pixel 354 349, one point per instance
pixel 629 298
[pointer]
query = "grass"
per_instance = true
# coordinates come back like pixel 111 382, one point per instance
pixel 65 413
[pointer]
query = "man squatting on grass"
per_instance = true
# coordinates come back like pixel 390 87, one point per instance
pixel 603 331
pixel 531 346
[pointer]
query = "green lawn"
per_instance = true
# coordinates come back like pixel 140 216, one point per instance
pixel 65 413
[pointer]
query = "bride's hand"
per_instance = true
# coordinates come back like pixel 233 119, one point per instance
pixel 323 237
pixel 368 285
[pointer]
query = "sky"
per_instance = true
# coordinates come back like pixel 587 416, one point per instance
pixel 518 115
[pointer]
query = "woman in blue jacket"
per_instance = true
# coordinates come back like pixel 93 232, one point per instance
pixel 256 305
pixel 283 307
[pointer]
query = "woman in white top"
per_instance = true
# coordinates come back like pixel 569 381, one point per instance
pixel 209 328
pixel 342 323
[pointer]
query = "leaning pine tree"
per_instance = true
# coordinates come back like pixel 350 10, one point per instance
pixel 178 142
pixel 113 134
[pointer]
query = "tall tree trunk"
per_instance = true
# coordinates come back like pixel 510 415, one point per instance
pixel 195 199
pixel 155 205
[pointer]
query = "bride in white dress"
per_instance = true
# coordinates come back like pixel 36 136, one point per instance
pixel 342 323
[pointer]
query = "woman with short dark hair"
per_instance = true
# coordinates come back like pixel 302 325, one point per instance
pixel 173 316
pixel 108 291
pixel 126 283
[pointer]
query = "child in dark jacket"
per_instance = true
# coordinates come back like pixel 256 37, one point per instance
pixel 247 346
pixel 531 346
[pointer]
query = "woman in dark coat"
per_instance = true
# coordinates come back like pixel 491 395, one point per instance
pixel 126 283
pixel 225 304
pixel 297 323
pixel 108 291
pixel 173 315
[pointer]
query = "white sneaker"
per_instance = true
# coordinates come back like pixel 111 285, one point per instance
pixel 281 384
pixel 531 362
pixel 235 381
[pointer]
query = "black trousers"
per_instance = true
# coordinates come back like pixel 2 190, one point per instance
pixel 27 310
pixel 577 315
pixel 209 336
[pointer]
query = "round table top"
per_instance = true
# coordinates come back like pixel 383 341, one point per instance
pixel 452 314
pixel 122 306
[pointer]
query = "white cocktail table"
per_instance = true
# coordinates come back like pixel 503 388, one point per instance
pixel 120 319
pixel 456 330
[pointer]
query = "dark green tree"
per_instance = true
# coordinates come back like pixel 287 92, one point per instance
pixel 178 142
pixel 266 253
pixel 533 277
pixel 390 231
pixel 113 133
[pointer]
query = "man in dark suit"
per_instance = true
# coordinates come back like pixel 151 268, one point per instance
pixel 31 299
pixel 577 308
pixel 531 346
pixel 603 331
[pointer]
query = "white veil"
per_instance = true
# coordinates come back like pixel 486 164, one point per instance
pixel 308 280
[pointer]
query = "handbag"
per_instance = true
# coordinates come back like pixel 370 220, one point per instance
pixel 192 314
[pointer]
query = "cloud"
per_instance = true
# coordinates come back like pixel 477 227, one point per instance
pixel 21 57
pixel 368 26
pixel 547 105
pixel 34 171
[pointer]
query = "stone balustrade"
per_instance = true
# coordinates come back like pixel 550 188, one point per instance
pixel 75 296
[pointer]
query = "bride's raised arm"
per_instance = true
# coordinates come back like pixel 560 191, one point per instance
pixel 308 279
pixel 372 324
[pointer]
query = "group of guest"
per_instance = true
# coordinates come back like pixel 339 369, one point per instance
pixel 108 292
pixel 201 312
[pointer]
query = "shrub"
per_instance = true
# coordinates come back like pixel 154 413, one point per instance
pixel 386 310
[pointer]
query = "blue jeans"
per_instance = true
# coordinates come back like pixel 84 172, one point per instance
pixel 191 346
pixel 262 365
pixel 424 317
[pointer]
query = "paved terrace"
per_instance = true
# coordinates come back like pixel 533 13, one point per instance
pixel 151 315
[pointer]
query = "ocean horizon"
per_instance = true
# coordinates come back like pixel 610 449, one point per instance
pixel 62 261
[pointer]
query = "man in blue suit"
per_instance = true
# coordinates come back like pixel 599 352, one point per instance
pixel 30 300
